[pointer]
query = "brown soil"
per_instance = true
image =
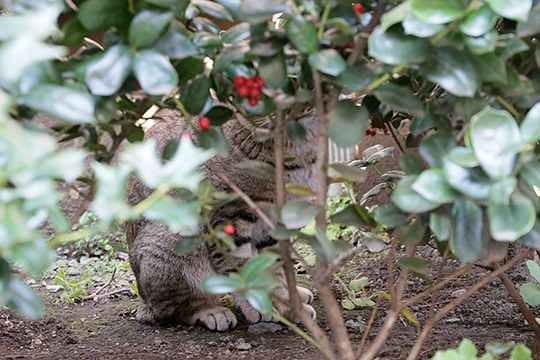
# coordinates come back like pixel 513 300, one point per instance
pixel 106 329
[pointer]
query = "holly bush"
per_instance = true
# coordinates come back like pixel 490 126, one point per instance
pixel 465 73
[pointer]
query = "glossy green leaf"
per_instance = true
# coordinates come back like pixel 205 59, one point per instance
pixel 176 46
pixel 259 169
pixel 501 191
pixel 510 222
pixel 532 25
pixel 411 234
pixel 490 68
pixel 534 269
pixel 438 11
pixel 466 235
pixel 358 284
pixel 414 264
pixel 61 102
pixel 394 47
pixel 354 215
pixel 213 9
pixel 236 34
pixel 530 173
pixel 410 164
pixel 432 185
pixel 195 93
pixel 434 147
pixel 495 139
pixel 256 11
pixel 147 26
pixel 155 73
pixel 354 78
pixel 221 284
pixel 102 14
pixel 396 14
pixel 414 26
pixel 479 22
pixel 106 74
pixel 257 266
pixel 328 61
pixel 482 44
pixel 182 218
pixel 347 123
pixel 274 71
pixel 408 200
pixel 468 181
pixel 521 352
pixel 454 71
pixel 440 224
pixel 390 216
pixel 296 214
pixel 530 126
pixel 213 138
pixel 260 300
pixel 399 98
pixel 530 292
pixel 303 35
pixel 511 9
pixel 219 115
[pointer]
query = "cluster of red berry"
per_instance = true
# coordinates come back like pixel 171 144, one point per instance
pixel 249 87
pixel 358 9
pixel 372 131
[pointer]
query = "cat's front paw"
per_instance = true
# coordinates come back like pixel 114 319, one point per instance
pixel 217 318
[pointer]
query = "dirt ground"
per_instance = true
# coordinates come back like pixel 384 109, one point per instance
pixel 106 329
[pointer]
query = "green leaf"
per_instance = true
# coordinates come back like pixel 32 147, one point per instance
pixel 256 266
pixel 176 46
pixel 350 172
pixel 408 200
pixel 348 304
pixel 213 9
pixel 347 123
pixel 102 14
pixel 236 34
pixel 511 9
pixel 433 186
pixel 302 34
pixel 195 94
pixel 358 284
pixel 411 234
pixel 60 102
pixel 180 217
pixel 530 292
pixel 22 299
pixel 490 68
pixel 410 164
pixel 106 74
pixel 328 61
pixel 259 169
pixel 521 352
pixel 414 26
pixel 34 256
pixel 296 132
pixel 495 139
pixel 355 78
pixel 221 284
pixel 466 235
pixel 213 138
pixel 510 222
pixel 454 71
pixel 414 264
pixel 260 300
pixel 482 44
pixel 532 238
pixel 530 126
pixel 354 215
pixel 399 98
pixel 296 214
pixel 479 22
pixel 438 11
pixel 501 191
pixel 469 181
pixel 390 216
pixel 255 11
pixel 434 147
pixel 147 26
pixel 440 224
pixel 394 47
pixel 498 348
pixel 534 269
pixel 532 25
pixel 274 71
pixel 299 190
pixel 219 115
pixel 185 245
pixel 396 14
pixel 155 73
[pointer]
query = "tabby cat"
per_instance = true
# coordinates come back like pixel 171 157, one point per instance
pixel 169 283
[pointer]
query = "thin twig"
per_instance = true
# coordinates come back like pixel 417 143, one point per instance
pixel 396 140
pixel 98 291
pixel 527 314
pixel 438 280
pixel 362 42
pixel 114 292
pixel 454 303
pixel 368 327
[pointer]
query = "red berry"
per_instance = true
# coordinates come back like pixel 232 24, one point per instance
pixel 239 80
pixel 243 90
pixel 254 92
pixel 253 101
pixel 358 8
pixel 250 82
pixel 259 80
pixel 204 123
pixel 228 229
